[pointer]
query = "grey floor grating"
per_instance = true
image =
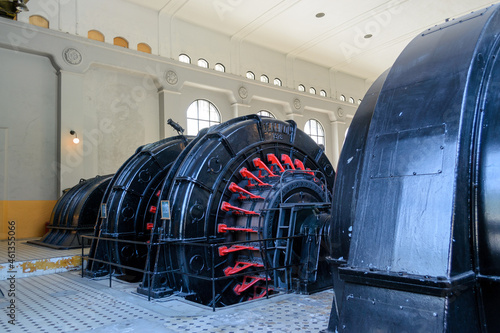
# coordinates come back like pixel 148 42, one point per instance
pixel 68 303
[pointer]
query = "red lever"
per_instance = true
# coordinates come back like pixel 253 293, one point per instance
pixel 240 266
pixel 271 158
pixel 247 174
pixel 236 210
pixel 257 162
pixel 262 293
pixel 158 193
pixel 287 160
pixel 239 288
pixel 152 209
pixel 223 250
pixel 224 228
pixel 299 165
pixel 149 226
pixel 236 189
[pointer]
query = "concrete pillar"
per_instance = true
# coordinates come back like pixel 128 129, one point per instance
pixel 170 102
pixel 337 129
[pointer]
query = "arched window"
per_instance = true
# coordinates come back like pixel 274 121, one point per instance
pixel 95 35
pixel 277 82
pixel 201 114
pixel 265 113
pixel 250 75
pixel 351 100
pixel 120 41
pixel 184 58
pixel 315 130
pixel 39 21
pixel 301 88
pixel 342 98
pixel 322 93
pixel 264 78
pixel 359 101
pixel 202 63
pixel 143 47
pixel 312 91
pixel 220 67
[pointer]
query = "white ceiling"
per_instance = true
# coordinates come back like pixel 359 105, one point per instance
pixel 336 40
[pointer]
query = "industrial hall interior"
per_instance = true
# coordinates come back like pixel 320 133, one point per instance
pixel 249 166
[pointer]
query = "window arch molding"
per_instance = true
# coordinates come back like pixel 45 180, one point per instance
pixel 120 41
pixel 144 47
pixel 184 58
pixel 265 113
pixel 201 113
pixel 39 21
pixel 315 130
pixel 95 35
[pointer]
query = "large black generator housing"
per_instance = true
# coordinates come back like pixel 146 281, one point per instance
pixel 416 212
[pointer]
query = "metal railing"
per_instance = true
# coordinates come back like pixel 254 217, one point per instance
pixel 213 246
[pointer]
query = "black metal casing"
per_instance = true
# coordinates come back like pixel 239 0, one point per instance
pixel 416 210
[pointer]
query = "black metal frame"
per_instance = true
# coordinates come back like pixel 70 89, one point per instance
pixel 213 247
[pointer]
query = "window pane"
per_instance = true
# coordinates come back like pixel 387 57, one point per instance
pixel 203 124
pixel 342 98
pixel 301 88
pixel 201 113
pixel 203 63
pixel 184 58
pixel 192 126
pixel 220 68
pixel 192 111
pixel 277 82
pixel 315 130
pixel 264 78
pixel 312 91
pixel 351 100
pixel 322 93
pixel 264 113
pixel 250 76
pixel 214 115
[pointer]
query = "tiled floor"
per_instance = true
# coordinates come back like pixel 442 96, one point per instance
pixel 67 303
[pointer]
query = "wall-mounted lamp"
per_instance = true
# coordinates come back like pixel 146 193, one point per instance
pixel 75 139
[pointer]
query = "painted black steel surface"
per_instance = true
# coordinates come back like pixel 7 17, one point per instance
pixel 196 188
pixel 130 203
pixel 416 213
pixel 74 214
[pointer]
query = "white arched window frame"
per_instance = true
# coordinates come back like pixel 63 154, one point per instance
pixel 201 114
pixel 265 113
pixel 184 58
pixel 220 67
pixel 202 63
pixel 315 130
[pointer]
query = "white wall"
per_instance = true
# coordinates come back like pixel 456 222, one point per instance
pixel 118 99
